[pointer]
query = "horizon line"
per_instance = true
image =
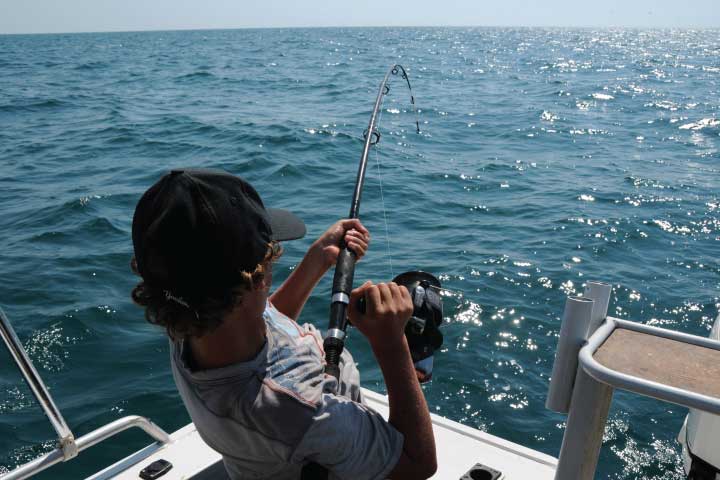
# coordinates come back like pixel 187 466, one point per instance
pixel 202 29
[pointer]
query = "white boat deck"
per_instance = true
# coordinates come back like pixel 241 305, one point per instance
pixel 459 448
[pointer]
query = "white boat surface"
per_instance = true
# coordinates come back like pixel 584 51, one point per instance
pixel 459 448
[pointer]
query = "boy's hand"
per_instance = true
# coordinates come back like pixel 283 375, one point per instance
pixel 388 308
pixel 352 231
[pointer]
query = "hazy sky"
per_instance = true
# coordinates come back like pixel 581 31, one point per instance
pixel 37 16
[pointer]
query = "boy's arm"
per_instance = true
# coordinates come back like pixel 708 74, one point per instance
pixel 291 296
pixel 388 308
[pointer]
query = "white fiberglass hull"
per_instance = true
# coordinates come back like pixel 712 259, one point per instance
pixel 459 448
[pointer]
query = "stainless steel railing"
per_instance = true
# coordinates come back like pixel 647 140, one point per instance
pixel 583 388
pixel 68 447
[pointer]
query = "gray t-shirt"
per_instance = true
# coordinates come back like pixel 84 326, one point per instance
pixel 270 416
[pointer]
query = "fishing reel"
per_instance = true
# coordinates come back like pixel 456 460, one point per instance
pixel 422 329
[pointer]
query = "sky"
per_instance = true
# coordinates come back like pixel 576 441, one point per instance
pixel 55 16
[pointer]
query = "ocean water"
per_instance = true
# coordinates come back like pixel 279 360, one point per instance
pixel 547 158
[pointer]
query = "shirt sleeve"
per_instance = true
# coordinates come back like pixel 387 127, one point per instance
pixel 351 440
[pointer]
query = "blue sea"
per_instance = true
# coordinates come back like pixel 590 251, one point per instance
pixel 546 158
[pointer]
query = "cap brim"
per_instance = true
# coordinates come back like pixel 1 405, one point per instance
pixel 285 225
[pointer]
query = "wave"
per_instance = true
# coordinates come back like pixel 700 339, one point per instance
pixel 34 106
pixel 198 75
pixel 701 124
pixel 95 65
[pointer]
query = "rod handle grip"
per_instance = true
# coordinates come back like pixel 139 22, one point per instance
pixel 344 271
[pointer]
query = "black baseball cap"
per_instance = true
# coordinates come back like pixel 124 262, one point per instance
pixel 195 230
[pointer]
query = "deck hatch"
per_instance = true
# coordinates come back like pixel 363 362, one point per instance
pixel 481 472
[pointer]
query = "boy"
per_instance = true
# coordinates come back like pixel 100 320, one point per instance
pixel 251 378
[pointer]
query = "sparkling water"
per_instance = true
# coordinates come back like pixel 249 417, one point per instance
pixel 546 158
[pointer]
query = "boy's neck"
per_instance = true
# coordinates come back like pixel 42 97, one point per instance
pixel 239 338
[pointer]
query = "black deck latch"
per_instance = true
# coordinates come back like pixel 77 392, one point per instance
pixel 481 472
pixel 156 469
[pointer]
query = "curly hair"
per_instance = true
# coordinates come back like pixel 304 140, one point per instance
pixel 182 319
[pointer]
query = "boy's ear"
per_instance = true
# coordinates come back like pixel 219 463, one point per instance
pixel 262 283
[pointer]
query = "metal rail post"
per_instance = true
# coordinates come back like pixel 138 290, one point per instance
pixel 573 334
pixel 589 408
pixel 66 440
pixel 599 293
pixel 68 447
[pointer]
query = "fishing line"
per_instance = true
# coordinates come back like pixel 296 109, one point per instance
pixel 382 201
pixel 397 69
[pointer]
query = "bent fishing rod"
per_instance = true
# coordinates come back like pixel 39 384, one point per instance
pixel 345 268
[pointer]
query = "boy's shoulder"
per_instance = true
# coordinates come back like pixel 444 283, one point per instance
pixel 295 359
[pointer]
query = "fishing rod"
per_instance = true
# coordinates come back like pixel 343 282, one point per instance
pixel 345 268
